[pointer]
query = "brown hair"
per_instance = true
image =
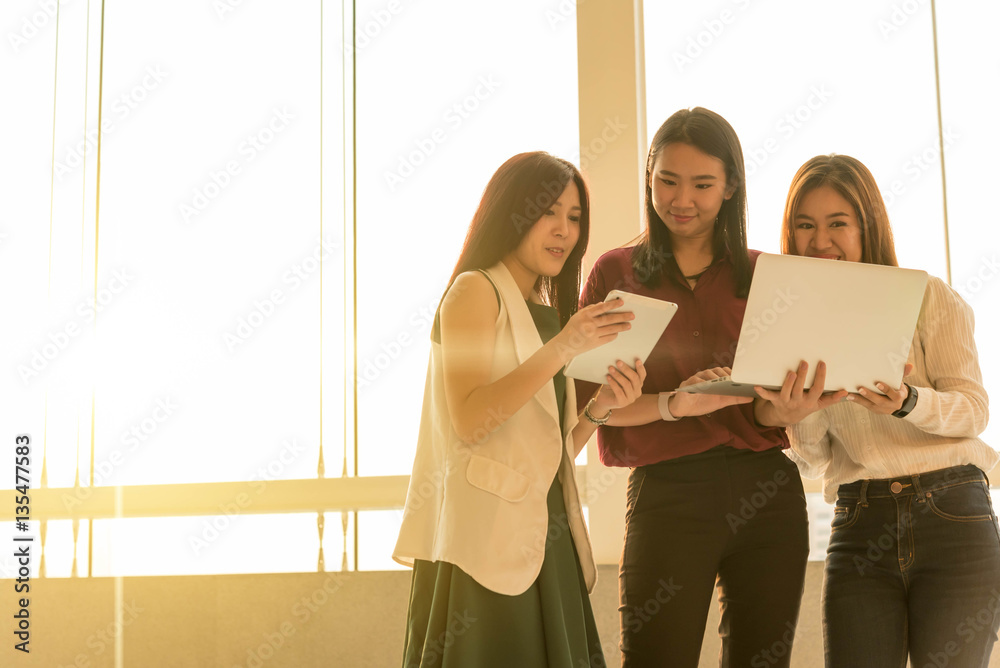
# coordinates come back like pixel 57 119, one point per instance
pixel 516 197
pixel 852 180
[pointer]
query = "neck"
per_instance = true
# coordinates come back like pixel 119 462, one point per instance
pixel 524 278
pixel 685 248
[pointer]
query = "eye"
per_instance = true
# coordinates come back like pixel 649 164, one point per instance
pixel 838 223
pixel 803 226
pixel 575 219
pixel 549 212
pixel 703 186
pixel 668 182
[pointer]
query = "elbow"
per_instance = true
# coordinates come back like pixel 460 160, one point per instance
pixel 477 430
pixel 469 433
pixel 978 414
pixel 981 412
pixel 811 468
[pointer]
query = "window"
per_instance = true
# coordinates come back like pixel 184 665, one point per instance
pixel 283 194
pixel 857 78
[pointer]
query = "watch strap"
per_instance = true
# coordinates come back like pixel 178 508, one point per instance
pixel 908 404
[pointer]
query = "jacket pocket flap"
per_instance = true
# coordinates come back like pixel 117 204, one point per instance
pixel 497 478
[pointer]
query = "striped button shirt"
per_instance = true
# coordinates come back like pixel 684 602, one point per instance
pixel 847 442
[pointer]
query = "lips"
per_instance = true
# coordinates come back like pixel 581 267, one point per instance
pixel 681 219
pixel 556 252
pixel 824 256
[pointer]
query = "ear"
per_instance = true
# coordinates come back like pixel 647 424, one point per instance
pixel 730 190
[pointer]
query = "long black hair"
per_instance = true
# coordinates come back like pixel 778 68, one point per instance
pixel 712 134
pixel 516 197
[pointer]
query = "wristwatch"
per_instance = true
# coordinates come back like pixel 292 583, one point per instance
pixel 908 404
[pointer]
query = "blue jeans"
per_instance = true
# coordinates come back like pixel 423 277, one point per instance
pixel 913 568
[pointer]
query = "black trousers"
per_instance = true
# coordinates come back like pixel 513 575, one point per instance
pixel 735 519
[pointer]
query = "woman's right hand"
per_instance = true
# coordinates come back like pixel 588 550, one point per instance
pixel 590 327
pixel 686 404
pixel 792 403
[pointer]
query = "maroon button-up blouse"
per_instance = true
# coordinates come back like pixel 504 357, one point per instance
pixel 702 335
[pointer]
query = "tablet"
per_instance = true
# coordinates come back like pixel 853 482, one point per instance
pixel 651 318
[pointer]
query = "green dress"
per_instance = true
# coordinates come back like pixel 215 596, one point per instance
pixel 455 622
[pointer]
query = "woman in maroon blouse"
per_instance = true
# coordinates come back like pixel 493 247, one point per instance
pixel 712 499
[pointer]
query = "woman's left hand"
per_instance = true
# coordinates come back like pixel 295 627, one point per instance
pixel 887 403
pixel 623 387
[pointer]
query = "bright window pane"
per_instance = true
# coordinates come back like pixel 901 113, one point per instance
pixel 217 544
pixel 445 96
pixel 793 92
pixel 965 46
pixel 210 203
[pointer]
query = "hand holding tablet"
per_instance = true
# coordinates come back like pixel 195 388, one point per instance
pixel 651 317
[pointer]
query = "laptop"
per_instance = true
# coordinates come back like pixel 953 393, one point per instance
pixel 858 318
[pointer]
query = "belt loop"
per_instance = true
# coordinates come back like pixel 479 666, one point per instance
pixel 917 491
pixel 863 499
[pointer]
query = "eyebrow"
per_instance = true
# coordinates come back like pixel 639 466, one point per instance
pixel 700 177
pixel 832 215
pixel 575 208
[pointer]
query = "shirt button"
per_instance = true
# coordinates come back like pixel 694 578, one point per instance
pixel 696 333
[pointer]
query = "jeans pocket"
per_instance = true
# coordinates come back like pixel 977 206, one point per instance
pixel 964 502
pixel 845 514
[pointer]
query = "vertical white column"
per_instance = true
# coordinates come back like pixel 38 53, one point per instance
pixel 612 157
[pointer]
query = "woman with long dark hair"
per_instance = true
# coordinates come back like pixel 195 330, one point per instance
pixel 913 566
pixel 493 527
pixel 712 500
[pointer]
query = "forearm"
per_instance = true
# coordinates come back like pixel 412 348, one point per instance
pixel 643 410
pixel 954 414
pixel 489 406
pixel 582 432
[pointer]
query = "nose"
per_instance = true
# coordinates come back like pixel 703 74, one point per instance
pixel 682 197
pixel 821 238
pixel 561 227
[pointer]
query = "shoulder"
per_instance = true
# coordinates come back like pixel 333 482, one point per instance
pixel 939 294
pixel 615 261
pixel 941 301
pixel 473 294
pixel 939 289
pixel 752 255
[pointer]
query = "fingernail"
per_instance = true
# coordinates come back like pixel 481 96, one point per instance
pixel 850 397
pixel 880 386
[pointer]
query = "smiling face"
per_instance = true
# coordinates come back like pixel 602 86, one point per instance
pixel 544 248
pixel 688 188
pixel 827 226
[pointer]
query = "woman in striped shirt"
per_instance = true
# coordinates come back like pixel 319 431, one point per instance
pixel 913 566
